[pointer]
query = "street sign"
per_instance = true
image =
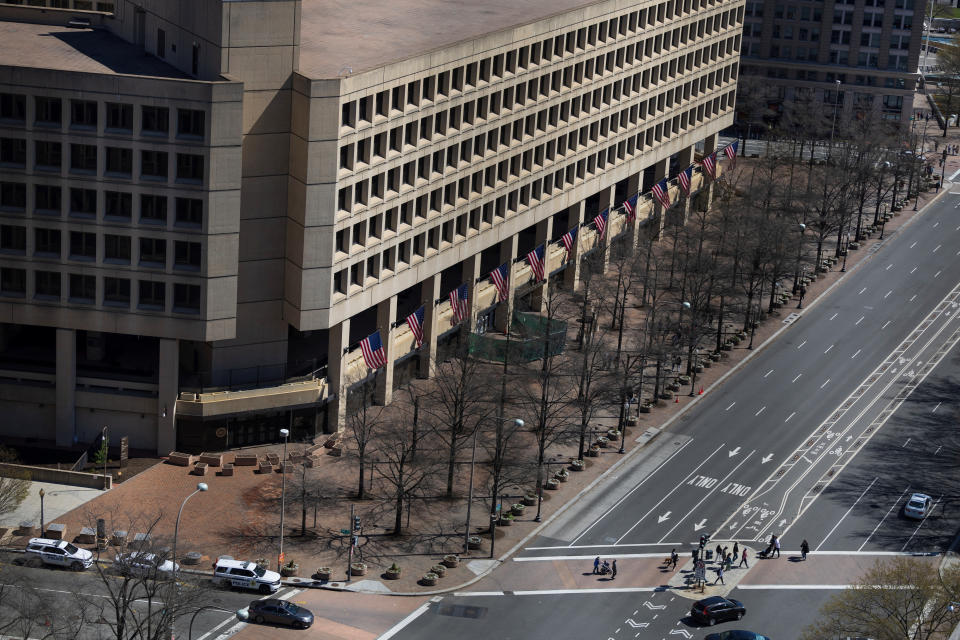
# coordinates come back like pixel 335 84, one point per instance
pixel 280 558
pixel 345 532
pixel 124 450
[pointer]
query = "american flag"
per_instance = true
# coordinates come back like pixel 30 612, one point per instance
pixel 536 260
pixel 710 164
pixel 684 179
pixel 501 280
pixel 601 222
pixel 630 206
pixel 415 322
pixel 459 303
pixel 372 349
pixel 731 151
pixel 568 239
pixel 661 194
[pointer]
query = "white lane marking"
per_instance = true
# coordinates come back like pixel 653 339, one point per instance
pixel 731 406
pixel 602 546
pixel 562 592
pixel 937 248
pixel 855 355
pixel 861 291
pixel 240 625
pixel 797 378
pixel 833 316
pixel 825 383
pixel 461 594
pixel 889 511
pixel 846 514
pixel 860 320
pixel 905 443
pixel 937 274
pixel 801 344
pixel 886 324
pixel 912 270
pixel 397 628
pixel 589 557
pixel 913 245
pixel 888 294
pixel 936 224
pixel 828 350
pixel 888 267
pixel 629 493
pixel 934 410
pixel 912 298
pixel 825 587
pixel 790 416
pixel 915 531
pixel 668 494
pixel 759 412
pixel 938 450
pixel 768 373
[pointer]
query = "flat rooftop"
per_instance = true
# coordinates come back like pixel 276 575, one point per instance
pixel 43 46
pixel 365 34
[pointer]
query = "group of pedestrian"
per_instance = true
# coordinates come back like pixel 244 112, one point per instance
pixel 612 568
pixel 952 149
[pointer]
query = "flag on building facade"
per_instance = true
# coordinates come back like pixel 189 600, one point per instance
pixel 568 240
pixel 601 222
pixel 415 322
pixel 501 279
pixel 661 194
pixel 630 206
pixel 710 164
pixel 684 179
pixel 459 303
pixel 372 348
pixel 536 260
pixel 731 152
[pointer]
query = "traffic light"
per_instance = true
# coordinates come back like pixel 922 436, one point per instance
pixel 356 523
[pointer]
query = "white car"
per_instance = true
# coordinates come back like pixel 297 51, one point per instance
pixel 143 564
pixel 918 506
pixel 245 575
pixel 60 553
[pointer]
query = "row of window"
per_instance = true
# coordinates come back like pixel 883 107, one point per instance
pixel 81 289
pixel 117 206
pixel 425 91
pixel 76 5
pixel 116 249
pixel 117 117
pixel 118 162
pixel 417 172
pixel 459 118
pixel 413 212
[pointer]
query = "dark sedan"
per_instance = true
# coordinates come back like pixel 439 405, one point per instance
pixel 716 609
pixel 280 612
pixel 736 635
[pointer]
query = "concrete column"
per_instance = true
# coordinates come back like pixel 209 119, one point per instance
pixel 66 386
pixel 659 173
pixel 539 296
pixel 471 273
pixel 337 406
pixel 429 292
pixel 684 160
pixel 386 313
pixel 168 386
pixel 508 253
pixel 571 275
pixel 606 200
pixel 633 187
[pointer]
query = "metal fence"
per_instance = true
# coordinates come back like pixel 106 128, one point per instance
pixel 527 346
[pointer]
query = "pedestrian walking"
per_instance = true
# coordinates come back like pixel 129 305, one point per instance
pixel 719 576
pixel 743 559
pixel 736 550
pixel 719 553
pixel 776 545
pixel 674 557
pixel 725 552
pixel 596 565
pixel 613 576
pixel 804 549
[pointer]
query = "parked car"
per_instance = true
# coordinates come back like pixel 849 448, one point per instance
pixel 716 609
pixel 143 564
pixel 918 506
pixel 245 575
pixel 280 612
pixel 736 634
pixel 59 553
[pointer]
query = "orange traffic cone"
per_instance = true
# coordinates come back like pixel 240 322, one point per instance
pixel 678 399
pixel 701 391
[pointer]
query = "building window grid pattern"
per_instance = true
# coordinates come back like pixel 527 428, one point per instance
pixel 716 46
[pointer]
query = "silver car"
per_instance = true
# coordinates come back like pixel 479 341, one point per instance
pixel 143 564
pixel 918 506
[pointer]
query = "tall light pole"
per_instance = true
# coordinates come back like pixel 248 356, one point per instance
pixel 473 461
pixel 202 486
pixel 41 512
pixel 796 272
pixel 836 107
pixel 284 433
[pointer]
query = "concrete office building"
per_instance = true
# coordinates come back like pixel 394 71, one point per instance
pixel 206 204
pixel 856 57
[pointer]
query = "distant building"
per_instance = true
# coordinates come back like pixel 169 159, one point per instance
pixel 205 205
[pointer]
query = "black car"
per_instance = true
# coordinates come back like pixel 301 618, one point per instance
pixel 716 609
pixel 736 635
pixel 280 612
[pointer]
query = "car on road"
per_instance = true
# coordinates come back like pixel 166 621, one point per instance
pixel 280 612
pixel 716 609
pixel 245 575
pixel 736 634
pixel 143 564
pixel 59 553
pixel 918 506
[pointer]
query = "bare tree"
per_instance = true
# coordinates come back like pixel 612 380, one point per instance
pixel 405 468
pixel 14 486
pixel 363 427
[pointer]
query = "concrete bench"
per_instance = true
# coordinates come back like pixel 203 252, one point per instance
pixel 246 461
pixel 212 459
pixel 180 459
pixel 87 536
pixel 265 467
pixel 56 532
pixel 313 448
pixel 119 538
pixel 287 466
pixel 141 538
pixel 27 528
pixel 273 458
pixel 227 469
pixel 199 469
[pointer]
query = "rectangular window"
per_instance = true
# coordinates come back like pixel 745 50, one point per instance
pixel 119 116
pixel 119 161
pixel 48 112
pixel 47 199
pixel 83 289
pixel 83 203
pixel 153 165
pixel 156 121
pixel 116 292
pixel 117 204
pixel 47 284
pixel 13 238
pixel 47 243
pixel 116 249
pixel 153 209
pixel 13 106
pixel 83 114
pixel 186 255
pixel 189 212
pixel 186 298
pixel 13 282
pixel 152 295
pixel 83 158
pixel 13 152
pixel 190 123
pixel 13 196
pixel 189 167
pixel 83 245
pixel 47 156
pixel 153 252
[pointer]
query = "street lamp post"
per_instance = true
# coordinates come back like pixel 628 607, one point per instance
pixel 284 433
pixel 202 486
pixel 473 462
pixel 41 512
pixel 693 378
pixel 796 272
pixel 836 108
pixel 846 250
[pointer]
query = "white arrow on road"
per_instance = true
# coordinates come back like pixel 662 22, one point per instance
pixel 732 526
pixel 683 632
pixel 648 605
pixel 664 517
pixel 637 625
pixel 767 458
pixel 783 522
pixel 700 525
pixel 730 454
